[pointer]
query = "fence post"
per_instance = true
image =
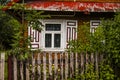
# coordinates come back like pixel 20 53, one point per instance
pixel 2 63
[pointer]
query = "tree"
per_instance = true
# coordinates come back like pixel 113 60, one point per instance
pixel 20 40
pixel 111 30
pixel 105 40
pixel 7 24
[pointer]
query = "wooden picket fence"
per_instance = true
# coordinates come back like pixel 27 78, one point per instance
pixel 2 64
pixel 51 66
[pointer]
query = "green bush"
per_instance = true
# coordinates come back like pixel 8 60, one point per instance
pixel 105 73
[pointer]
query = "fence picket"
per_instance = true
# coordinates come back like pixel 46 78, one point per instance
pixel 56 66
pixel 101 57
pixel 86 60
pixel 71 65
pixel 96 63
pixel 39 66
pixel 92 58
pixel 50 66
pixel 21 70
pixel 2 65
pixel 61 65
pixel 44 66
pixel 76 63
pixel 82 63
pixel 15 68
pixel 33 67
pixel 66 66
pixel 27 71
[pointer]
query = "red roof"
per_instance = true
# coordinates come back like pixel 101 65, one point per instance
pixel 9 4
pixel 75 6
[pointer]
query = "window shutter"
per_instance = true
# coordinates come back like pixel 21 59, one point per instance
pixel 71 31
pixel 93 25
pixel 34 37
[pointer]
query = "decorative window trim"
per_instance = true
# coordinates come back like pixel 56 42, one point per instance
pixel 68 32
pixel 94 24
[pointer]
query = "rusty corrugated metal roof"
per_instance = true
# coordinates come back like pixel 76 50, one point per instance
pixel 75 6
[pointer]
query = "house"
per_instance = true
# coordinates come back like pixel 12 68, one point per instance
pixel 64 24
pixel 66 18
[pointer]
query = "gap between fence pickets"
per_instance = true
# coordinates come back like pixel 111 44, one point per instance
pixel 2 65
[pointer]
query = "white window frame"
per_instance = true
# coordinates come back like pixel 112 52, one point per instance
pixel 62 32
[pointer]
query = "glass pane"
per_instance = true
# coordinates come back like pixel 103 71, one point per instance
pixel 53 27
pixel 48 40
pixel 57 40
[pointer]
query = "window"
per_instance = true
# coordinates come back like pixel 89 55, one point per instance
pixel 52 35
pixel 55 35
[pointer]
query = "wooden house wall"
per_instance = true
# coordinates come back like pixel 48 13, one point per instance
pixel 81 17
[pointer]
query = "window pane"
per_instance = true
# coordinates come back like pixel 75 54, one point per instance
pixel 53 27
pixel 57 40
pixel 48 40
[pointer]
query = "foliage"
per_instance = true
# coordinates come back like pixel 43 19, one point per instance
pixel 97 40
pixel 7 24
pixel 105 73
pixel 90 42
pixel 90 73
pixel 20 41
pixel 111 30
pixel 32 16
pixel 106 39
pixel 82 44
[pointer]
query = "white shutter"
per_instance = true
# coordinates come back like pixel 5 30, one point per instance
pixel 94 24
pixel 34 37
pixel 71 30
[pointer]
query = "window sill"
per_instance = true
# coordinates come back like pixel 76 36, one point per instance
pixel 53 49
